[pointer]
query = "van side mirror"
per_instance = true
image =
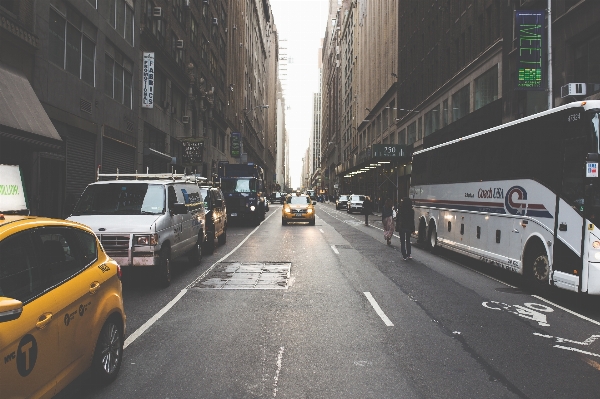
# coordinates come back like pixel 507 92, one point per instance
pixel 179 209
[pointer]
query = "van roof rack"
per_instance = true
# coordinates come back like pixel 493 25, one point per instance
pixel 195 178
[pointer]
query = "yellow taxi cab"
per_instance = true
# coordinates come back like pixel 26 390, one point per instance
pixel 298 208
pixel 61 307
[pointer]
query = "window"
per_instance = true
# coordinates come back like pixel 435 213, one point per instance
pixel 445 113
pixel 176 53
pixel 178 99
pixel 460 103
pixel 178 10
pixel 157 26
pixel 118 76
pixel 120 17
pixel 587 59
pixel 21 277
pixel 160 88
pixel 72 44
pixel 194 31
pixel 486 87
pixel 432 120
pixel 411 131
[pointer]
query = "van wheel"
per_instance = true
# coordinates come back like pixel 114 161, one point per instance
pixel 195 255
pixel 223 237
pixel 108 354
pixel 537 270
pixel 432 245
pixel 209 245
pixel 164 267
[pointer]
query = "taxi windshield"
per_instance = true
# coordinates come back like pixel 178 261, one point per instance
pixel 121 199
pixel 298 200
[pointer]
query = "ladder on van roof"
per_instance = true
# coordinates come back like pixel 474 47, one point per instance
pixel 183 177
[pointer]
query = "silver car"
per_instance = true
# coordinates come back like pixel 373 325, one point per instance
pixel 355 203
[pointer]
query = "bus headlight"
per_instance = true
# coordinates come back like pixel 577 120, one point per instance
pixel 252 208
pixel 596 244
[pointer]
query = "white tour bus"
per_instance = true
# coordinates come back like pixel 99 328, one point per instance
pixel 524 196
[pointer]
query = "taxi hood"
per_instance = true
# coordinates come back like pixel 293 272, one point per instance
pixel 117 223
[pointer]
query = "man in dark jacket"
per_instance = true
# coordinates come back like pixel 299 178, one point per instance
pixel 405 225
pixel 367 209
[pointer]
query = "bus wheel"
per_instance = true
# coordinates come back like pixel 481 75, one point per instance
pixel 537 269
pixel 432 239
pixel 421 235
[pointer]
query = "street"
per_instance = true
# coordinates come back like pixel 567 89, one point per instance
pixel 331 311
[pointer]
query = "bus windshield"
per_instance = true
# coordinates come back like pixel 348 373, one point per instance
pixel 238 185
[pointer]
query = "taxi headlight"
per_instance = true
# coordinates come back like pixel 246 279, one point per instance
pixel 146 240
pixel 287 209
pixel 309 210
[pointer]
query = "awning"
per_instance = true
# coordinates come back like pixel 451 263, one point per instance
pixel 22 116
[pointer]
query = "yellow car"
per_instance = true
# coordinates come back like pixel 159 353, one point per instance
pixel 61 307
pixel 298 208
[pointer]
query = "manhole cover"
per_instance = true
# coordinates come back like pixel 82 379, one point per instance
pixel 248 276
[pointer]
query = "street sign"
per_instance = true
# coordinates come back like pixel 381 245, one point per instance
pixel 148 81
pixel 388 150
pixel 235 144
pixel 192 151
pixel 531 53
pixel 592 169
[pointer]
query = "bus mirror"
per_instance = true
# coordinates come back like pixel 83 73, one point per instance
pixel 592 156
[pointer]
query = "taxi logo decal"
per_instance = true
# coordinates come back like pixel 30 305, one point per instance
pixel 26 355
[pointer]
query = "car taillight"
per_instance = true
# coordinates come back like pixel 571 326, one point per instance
pixel 119 272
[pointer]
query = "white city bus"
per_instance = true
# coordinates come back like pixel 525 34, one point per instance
pixel 524 196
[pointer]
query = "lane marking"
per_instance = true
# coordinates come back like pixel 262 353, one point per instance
pixel 335 250
pixel 378 310
pixel 321 230
pixel 567 310
pixel 576 350
pixel 136 334
pixel 279 363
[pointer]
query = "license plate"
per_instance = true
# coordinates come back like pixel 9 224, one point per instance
pixel 234 214
pixel 298 215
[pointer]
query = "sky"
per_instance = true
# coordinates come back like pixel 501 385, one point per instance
pixel 302 24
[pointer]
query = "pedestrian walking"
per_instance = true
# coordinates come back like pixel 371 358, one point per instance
pixel 367 209
pixel 405 226
pixel 387 218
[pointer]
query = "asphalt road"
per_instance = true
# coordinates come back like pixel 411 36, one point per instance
pixel 355 321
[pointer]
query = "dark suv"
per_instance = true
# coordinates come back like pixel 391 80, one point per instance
pixel 342 202
pixel 216 217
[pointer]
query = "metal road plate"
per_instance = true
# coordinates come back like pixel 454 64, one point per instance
pixel 247 276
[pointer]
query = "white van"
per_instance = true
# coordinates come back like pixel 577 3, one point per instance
pixel 145 223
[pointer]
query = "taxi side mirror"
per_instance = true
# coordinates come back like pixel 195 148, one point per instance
pixel 10 309
pixel 314 202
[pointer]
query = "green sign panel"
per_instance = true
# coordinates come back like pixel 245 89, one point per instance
pixel 531 55
pixel 388 150
pixel 234 145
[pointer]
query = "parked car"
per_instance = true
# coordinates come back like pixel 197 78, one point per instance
pixel 355 203
pixel 298 208
pixel 341 202
pixel 61 307
pixel 145 223
pixel 277 197
pixel 216 217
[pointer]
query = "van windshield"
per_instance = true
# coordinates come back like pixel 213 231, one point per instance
pixel 121 199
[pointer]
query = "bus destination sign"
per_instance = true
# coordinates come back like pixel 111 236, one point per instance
pixel 531 53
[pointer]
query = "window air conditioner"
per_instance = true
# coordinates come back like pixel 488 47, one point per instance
pixel 215 21
pixel 185 119
pixel 573 89
pixel 157 12
pixel 179 44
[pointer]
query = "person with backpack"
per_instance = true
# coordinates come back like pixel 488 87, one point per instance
pixel 405 226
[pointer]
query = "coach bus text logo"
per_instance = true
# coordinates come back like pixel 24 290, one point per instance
pixel 490 193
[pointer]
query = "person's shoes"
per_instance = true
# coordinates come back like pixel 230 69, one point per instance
pixel 389 242
pixel 404 257
pixel 409 257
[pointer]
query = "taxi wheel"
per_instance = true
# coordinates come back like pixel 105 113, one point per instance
pixel 209 245
pixel 195 255
pixel 108 355
pixel 164 267
pixel 223 237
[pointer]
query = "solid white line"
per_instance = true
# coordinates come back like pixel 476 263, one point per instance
pixel 136 334
pixel 153 319
pixel 576 350
pixel 567 310
pixel 279 363
pixel 378 310
pixel 335 250
pixel 321 230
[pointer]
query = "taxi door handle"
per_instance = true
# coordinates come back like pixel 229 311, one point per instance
pixel 94 287
pixel 43 321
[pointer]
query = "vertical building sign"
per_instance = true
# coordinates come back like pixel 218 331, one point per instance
pixel 148 81
pixel 531 56
pixel 234 146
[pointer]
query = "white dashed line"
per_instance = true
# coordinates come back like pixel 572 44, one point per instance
pixel 335 250
pixel 321 230
pixel 378 310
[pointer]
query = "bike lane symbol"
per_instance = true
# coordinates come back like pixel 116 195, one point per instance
pixel 530 311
